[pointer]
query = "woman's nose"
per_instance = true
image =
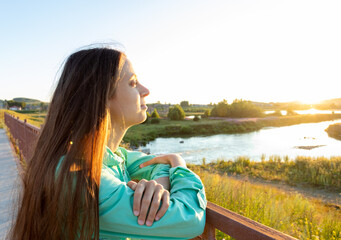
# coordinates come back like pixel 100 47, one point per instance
pixel 144 92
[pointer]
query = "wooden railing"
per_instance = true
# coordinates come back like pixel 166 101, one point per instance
pixel 231 223
pixel 24 134
pixel 237 226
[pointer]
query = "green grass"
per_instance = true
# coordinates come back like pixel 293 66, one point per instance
pixel 298 119
pixel 318 172
pixel 289 213
pixel 143 133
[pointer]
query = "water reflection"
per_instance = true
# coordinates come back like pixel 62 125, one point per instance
pixel 309 111
pixel 280 141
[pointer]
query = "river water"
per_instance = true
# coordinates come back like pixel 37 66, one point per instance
pixel 289 141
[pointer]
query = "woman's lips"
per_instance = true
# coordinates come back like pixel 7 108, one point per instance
pixel 143 106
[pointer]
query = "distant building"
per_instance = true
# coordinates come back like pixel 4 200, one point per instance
pixel 2 105
pixel 162 109
pixel 15 108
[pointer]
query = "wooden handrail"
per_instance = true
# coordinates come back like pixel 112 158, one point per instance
pixel 237 226
pixel 231 223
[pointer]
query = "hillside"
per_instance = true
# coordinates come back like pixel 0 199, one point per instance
pixel 27 100
pixel 336 101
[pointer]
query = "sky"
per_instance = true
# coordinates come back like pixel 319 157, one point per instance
pixel 199 51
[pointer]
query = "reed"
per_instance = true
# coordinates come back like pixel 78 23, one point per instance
pixel 315 171
pixel 289 213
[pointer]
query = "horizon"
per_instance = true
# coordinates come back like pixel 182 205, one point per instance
pixel 197 51
pixel 190 103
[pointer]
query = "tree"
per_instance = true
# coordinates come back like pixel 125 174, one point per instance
pixel 184 104
pixel 207 113
pixel 241 108
pixel 176 113
pixel 12 103
pixel 155 114
pixel 220 110
pixel 238 109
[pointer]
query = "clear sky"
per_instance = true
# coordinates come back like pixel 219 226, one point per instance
pixel 200 51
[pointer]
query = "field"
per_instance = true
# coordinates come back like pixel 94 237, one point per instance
pixel 290 213
pixel 33 117
pixel 316 172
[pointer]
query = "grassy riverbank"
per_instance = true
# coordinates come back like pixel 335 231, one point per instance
pixel 318 172
pixel 143 133
pixel 289 213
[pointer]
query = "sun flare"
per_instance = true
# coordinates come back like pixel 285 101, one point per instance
pixel 310 100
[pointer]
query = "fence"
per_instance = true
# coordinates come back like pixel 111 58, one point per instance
pixel 231 223
pixel 24 134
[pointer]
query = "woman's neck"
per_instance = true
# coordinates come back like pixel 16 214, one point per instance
pixel 115 137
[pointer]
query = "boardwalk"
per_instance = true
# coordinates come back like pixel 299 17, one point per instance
pixel 8 183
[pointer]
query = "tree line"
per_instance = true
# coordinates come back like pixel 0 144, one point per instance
pixel 237 109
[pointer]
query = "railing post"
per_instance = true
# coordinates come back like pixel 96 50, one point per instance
pixel 209 232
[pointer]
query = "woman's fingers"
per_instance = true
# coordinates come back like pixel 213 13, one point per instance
pixel 155 204
pixel 158 159
pixel 132 185
pixel 164 207
pixel 172 159
pixel 146 201
pixel 139 190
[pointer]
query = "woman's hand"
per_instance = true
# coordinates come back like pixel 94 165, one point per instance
pixel 148 195
pixel 172 159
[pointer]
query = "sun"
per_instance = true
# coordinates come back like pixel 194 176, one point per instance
pixel 311 100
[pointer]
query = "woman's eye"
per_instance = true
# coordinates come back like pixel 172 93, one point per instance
pixel 133 83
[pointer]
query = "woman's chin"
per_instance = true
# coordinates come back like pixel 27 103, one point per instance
pixel 142 118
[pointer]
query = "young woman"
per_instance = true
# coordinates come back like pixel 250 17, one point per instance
pixel 78 182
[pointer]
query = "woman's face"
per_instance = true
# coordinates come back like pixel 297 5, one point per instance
pixel 128 106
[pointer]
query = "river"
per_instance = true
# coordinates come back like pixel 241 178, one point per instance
pixel 308 139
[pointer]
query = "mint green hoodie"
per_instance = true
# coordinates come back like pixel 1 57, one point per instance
pixel 185 217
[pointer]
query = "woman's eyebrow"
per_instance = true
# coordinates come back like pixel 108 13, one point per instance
pixel 133 76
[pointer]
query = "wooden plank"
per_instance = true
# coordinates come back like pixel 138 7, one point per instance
pixel 239 227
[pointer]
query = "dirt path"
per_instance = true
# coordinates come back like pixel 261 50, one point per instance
pixel 328 197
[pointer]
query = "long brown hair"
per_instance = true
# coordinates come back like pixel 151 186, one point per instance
pixel 61 202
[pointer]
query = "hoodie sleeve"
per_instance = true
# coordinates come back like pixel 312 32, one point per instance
pixel 184 219
pixel 133 161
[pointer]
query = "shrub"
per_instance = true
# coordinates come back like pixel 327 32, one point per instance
pixel 176 113
pixel 172 129
pixel 154 120
pixel 155 114
pixel 148 116
pixel 277 113
pixel 196 118
pixel 207 113
pixel 185 130
pixel 291 112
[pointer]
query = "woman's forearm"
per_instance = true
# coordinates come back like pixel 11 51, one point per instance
pixel 164 181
